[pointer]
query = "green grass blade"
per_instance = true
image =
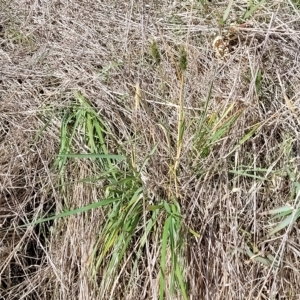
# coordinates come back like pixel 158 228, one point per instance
pixel 93 155
pixel 245 138
pixel 90 132
pixel 249 134
pixel 76 211
pixel 285 223
pixel 148 157
pixel 260 259
pixel 242 173
pixel 163 260
pixel 180 280
pixel 252 9
pixel 284 209
pixel 227 11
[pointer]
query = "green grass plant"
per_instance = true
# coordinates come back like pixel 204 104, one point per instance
pixel 130 222
pixel 288 214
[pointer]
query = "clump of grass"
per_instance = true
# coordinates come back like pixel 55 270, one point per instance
pixel 128 215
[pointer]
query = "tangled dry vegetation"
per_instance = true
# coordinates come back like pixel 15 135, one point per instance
pixel 191 110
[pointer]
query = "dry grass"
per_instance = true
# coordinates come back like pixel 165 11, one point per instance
pixel 240 116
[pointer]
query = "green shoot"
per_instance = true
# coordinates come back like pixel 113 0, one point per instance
pixel 252 8
pixel 289 214
pixel 227 12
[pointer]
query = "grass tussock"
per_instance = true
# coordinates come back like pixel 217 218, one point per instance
pixel 149 150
